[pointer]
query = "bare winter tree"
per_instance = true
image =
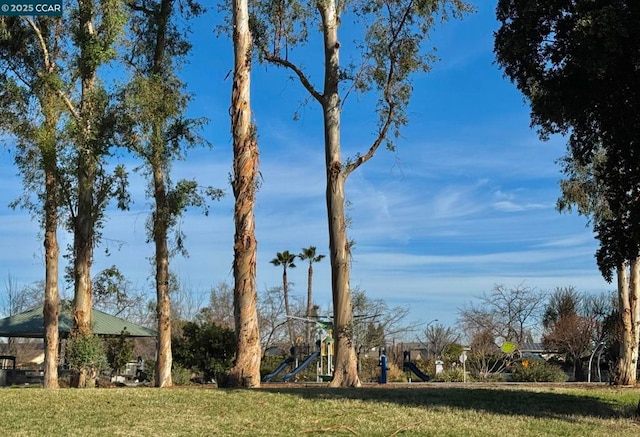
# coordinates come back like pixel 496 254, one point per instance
pixel 437 339
pixel 507 314
pixel 220 308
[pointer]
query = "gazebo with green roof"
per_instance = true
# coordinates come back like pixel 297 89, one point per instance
pixel 30 324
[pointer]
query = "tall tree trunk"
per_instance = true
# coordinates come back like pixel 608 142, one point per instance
pixel 49 103
pixel 307 325
pixel 164 359
pixel 634 306
pixel 83 250
pixel 346 364
pixel 84 222
pixel 628 289
pixel 246 371
pixel 163 303
pixel 287 309
pixel 52 251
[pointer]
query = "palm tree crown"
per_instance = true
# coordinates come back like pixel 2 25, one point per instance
pixel 285 259
pixel 309 254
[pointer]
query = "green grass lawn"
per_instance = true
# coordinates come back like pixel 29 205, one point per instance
pixel 423 409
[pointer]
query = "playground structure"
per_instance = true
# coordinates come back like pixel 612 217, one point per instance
pixel 409 366
pixel 323 356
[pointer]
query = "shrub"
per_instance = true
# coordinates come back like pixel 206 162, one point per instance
pixel 180 375
pixel 395 373
pixel 205 348
pixel 537 370
pixel 119 351
pixel 86 358
pixel 86 352
pixel 452 374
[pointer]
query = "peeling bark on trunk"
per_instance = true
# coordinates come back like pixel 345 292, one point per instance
pixel 346 370
pixel 628 291
pixel 246 370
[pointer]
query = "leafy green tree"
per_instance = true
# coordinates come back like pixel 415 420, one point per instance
pixel 286 260
pixel 85 353
pixel 31 52
pixel 310 255
pixel 206 348
pixel 118 351
pixel 94 27
pixel 393 33
pixel 158 133
pixel 76 176
pixel 575 61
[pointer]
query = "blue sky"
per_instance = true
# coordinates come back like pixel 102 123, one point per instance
pixel 466 202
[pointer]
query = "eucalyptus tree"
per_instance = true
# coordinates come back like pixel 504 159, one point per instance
pixel 309 254
pixel 390 50
pixel 286 260
pixel 157 132
pixel 246 370
pixel 64 54
pixel 585 190
pixel 576 63
pixel 94 26
pixel 31 54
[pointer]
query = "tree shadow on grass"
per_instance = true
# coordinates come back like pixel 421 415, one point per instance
pixel 532 403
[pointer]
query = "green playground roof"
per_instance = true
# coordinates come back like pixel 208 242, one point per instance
pixel 30 324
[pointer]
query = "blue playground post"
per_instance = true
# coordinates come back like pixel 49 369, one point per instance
pixel 383 368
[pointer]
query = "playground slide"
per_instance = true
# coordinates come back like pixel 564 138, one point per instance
pixel 412 367
pixel 301 367
pixel 279 369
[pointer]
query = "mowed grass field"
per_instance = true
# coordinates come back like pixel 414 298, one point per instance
pixel 418 410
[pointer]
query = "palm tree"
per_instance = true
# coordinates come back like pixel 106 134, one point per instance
pixel 285 259
pixel 309 254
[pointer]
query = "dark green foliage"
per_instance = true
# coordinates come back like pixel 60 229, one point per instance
pixel 152 104
pixel 205 348
pixel 577 63
pixel 537 370
pixel 119 351
pixel 562 302
pixel 86 352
